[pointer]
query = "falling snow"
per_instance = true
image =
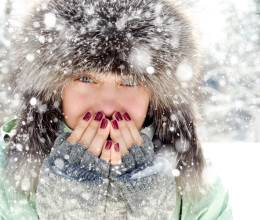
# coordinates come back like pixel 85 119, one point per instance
pixel 42 39
pixel 33 101
pixel 19 147
pixel 176 172
pixel 150 70
pixel 59 163
pixel 50 20
pixel 86 195
pixel 229 109
pixel 182 145
pixel 184 71
pixel 121 23
pixel 25 183
pixel 30 57
pixel 140 58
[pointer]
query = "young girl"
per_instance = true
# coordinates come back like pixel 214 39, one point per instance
pixel 106 126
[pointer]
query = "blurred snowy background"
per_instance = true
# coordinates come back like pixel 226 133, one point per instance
pixel 230 102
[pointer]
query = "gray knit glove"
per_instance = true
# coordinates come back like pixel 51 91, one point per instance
pixel 77 155
pixel 138 157
pixel 140 188
pixel 72 184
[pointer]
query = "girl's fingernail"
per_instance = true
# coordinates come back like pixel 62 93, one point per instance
pixel 114 124
pixel 104 123
pixel 116 146
pixel 108 145
pixel 87 116
pixel 127 117
pixel 98 116
pixel 118 116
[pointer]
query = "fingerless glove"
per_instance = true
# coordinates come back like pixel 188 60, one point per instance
pixel 75 184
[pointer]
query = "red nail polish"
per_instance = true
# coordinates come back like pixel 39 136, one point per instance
pixel 87 116
pixel 118 116
pixel 114 124
pixel 104 123
pixel 98 116
pixel 108 145
pixel 116 146
pixel 127 117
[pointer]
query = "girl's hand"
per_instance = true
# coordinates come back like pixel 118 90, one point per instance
pixel 92 132
pixel 124 135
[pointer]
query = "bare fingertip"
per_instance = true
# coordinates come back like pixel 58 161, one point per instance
pixel 71 141
pixel 125 153
pixel 141 142
pixel 116 163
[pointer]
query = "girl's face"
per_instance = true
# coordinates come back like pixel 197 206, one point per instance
pixel 106 93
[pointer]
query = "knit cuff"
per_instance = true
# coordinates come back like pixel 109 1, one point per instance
pixel 137 156
pixel 144 153
pixel 79 155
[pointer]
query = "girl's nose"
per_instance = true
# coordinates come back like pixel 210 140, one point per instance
pixel 108 99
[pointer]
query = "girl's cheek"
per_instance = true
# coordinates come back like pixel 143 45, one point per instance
pixel 74 109
pixel 137 111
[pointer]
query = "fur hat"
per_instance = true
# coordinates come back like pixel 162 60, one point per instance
pixel 151 41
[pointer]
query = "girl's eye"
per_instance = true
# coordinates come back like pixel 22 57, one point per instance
pixel 86 79
pixel 129 84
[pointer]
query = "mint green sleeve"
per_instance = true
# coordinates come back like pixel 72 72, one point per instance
pixel 13 206
pixel 212 206
pixel 4 207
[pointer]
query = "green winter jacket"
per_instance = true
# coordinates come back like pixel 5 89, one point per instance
pixel 214 204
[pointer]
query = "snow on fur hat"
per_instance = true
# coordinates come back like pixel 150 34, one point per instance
pixel 153 41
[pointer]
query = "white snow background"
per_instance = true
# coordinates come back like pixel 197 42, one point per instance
pixel 238 166
pixel 231 132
